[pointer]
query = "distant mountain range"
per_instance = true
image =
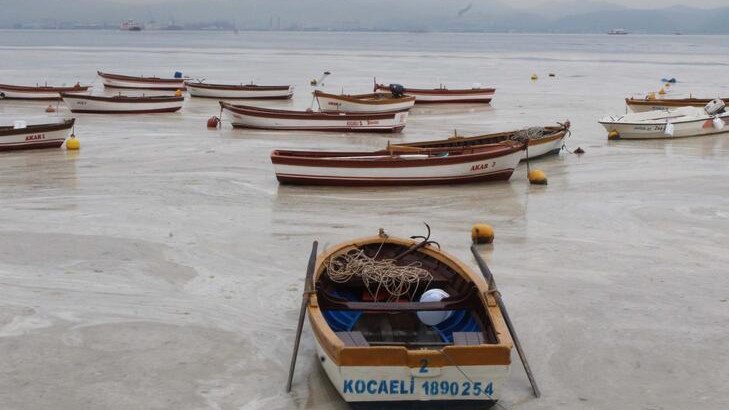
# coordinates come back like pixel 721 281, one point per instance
pixel 385 15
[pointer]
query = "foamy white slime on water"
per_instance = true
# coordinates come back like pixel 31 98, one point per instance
pixel 161 266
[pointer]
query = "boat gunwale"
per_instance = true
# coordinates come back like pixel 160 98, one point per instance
pixel 305 115
pixel 372 356
pixel 361 98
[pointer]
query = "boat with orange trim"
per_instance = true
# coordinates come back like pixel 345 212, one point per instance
pixel 429 334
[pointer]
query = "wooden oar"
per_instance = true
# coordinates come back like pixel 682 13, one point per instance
pixel 492 286
pixel 308 288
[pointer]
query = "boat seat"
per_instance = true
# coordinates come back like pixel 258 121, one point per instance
pixel 467 338
pixel 460 321
pixel 351 339
pixel 342 320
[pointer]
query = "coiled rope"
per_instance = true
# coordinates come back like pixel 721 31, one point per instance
pixel 385 274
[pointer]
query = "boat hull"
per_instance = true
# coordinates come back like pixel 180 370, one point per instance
pixel 233 93
pixel 48 136
pixel 334 103
pixel 657 130
pixel 644 105
pixel 299 121
pixel 544 146
pixel 109 105
pixel 401 387
pixel 38 93
pixel 444 95
pixel 145 83
pixel 431 171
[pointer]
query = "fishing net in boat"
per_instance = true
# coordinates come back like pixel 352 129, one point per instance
pixel 531 133
pixel 378 275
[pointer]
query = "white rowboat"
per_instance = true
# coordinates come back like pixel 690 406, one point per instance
pixel 375 102
pixel 120 104
pixel 242 92
pixel 673 123
pixel 22 136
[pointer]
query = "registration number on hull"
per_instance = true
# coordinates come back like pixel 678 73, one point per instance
pixel 430 388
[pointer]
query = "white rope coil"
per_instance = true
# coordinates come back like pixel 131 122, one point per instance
pixel 383 274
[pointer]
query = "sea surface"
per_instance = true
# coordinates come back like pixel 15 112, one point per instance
pixel 161 266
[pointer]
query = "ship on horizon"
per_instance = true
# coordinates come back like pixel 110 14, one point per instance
pixel 130 25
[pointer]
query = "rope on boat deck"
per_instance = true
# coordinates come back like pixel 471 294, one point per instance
pixel 397 280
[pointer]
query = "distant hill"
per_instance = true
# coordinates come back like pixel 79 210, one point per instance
pixel 569 16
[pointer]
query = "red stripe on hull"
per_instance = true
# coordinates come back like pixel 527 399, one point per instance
pixel 161 110
pixel 32 145
pixel 336 129
pixel 292 179
pixel 282 97
pixel 470 100
pixel 146 88
pixel 33 98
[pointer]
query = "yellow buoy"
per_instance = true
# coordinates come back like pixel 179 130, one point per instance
pixel 73 143
pixel 482 233
pixel 534 77
pixel 668 85
pixel 178 93
pixel 651 96
pixel 662 91
pixel 613 135
pixel 537 177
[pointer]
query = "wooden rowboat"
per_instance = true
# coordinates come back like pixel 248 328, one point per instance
pixel 122 104
pixel 652 104
pixel 140 82
pixel 439 341
pixel 375 102
pixel 243 116
pixel 39 92
pixel 540 140
pixel 21 136
pixel 240 91
pixel 442 94
pixel 398 166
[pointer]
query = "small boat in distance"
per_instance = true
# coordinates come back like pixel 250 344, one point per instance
pixel 540 140
pixel 673 123
pixel 433 337
pixel 652 104
pixel 477 94
pixel 140 82
pixel 239 91
pixel 398 165
pixel 130 25
pixel 375 102
pixel 243 116
pixel 39 92
pixel 617 31
pixel 121 104
pixel 23 136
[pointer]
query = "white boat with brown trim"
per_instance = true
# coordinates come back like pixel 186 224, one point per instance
pixel 23 136
pixel 540 140
pixel 240 91
pixel 122 104
pixel 141 82
pixel 398 165
pixel 673 123
pixel 375 102
pixel 652 104
pixel 243 116
pixel 477 94
pixel 39 92
pixel 432 337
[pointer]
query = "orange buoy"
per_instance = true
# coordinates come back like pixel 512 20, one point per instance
pixel 213 122
pixel 50 108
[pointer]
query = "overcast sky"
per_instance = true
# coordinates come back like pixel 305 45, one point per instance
pixel 527 3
